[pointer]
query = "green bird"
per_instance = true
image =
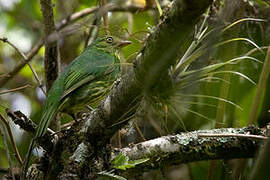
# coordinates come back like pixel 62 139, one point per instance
pixel 83 82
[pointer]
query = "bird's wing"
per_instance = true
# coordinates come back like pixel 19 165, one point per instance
pixel 83 75
pixel 89 66
pixel 71 86
pixel 51 106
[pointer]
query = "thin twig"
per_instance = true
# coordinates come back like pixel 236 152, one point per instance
pixel 200 135
pixel 139 132
pixel 17 154
pixel 5 40
pixel 15 89
pixel 75 16
pixel 107 8
pixel 105 17
pixel 93 31
pixel 21 64
pixel 4 75
pixel 2 132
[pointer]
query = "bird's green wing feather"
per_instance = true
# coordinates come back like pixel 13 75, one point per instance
pixel 86 68
pixel 77 85
pixel 51 106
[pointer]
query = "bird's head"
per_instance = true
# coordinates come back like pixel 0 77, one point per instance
pixel 110 43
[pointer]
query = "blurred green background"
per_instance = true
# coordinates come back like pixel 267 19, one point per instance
pixel 196 103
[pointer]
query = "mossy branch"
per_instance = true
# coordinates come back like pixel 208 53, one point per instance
pixel 191 147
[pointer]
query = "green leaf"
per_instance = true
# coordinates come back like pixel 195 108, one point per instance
pixel 124 167
pixel 122 162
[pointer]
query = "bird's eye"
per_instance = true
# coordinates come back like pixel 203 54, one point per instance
pixel 109 39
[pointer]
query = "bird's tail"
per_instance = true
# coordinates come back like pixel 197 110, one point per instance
pixel 45 120
pixel 51 107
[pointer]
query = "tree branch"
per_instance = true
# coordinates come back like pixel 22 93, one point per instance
pixel 15 89
pixel 52 64
pixel 189 147
pixel 186 147
pixel 52 58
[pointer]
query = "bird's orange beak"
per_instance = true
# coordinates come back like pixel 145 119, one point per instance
pixel 123 43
